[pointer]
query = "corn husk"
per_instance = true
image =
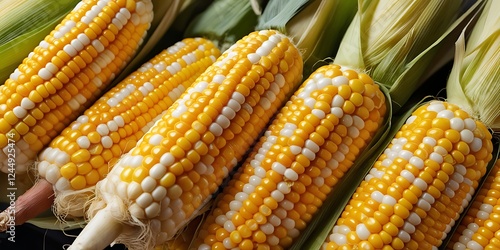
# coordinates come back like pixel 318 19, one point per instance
pixel 474 82
pixel 23 24
pixel 316 26
pixel 224 22
pixel 398 42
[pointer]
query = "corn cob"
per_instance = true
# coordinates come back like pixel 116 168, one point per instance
pixel 114 124
pixel 312 142
pixel 66 72
pixel 180 162
pixel 419 185
pixel 480 226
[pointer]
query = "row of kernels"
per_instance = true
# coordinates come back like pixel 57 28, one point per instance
pixel 478 228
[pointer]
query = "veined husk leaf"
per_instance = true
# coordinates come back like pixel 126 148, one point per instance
pixel 474 82
pixel 397 41
pixel 23 24
pixel 278 13
pixel 188 10
pixel 224 22
pixel 316 26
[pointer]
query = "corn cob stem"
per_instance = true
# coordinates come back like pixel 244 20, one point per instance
pixel 175 168
pixel 35 201
pixel 109 228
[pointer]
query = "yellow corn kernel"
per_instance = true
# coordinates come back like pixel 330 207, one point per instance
pixel 441 186
pixel 69 170
pixel 78 182
pixel 55 80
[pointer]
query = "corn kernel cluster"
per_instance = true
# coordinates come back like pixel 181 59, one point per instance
pixel 89 146
pixel 480 227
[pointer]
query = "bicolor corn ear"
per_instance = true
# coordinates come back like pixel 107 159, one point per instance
pixel 162 183
pixel 420 184
pixel 67 72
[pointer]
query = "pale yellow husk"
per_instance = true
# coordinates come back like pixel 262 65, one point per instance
pixel 474 82
pixel 396 42
pixel 315 26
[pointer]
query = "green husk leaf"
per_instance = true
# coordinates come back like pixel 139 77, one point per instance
pixel 23 25
pixel 49 222
pixel 429 60
pixel 475 76
pixel 396 41
pixel 14 51
pixel 279 12
pixel 187 12
pixel 315 26
pixel 21 16
pixel 224 22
